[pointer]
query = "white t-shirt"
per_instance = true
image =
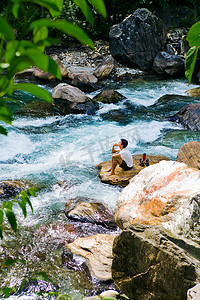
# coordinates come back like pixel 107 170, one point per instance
pixel 127 157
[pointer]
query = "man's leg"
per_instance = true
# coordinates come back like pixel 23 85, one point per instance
pixel 115 161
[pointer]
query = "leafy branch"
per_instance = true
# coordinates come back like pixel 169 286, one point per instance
pixel 22 199
pixel 193 39
pixel 18 55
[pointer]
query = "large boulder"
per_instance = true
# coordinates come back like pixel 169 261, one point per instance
pixel 189 154
pixel 150 264
pixel 97 250
pixel 167 64
pixel 138 39
pixel 121 177
pixel 188 116
pixel 69 99
pixel 167 193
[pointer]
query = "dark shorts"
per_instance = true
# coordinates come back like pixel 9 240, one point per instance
pixel 124 166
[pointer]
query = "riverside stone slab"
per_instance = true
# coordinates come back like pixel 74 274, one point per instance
pixel 167 193
pixel 97 249
pixel 150 264
pixel 121 177
pixel 189 153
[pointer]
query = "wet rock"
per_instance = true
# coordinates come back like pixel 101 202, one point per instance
pixel 26 74
pixel 98 252
pixel 167 193
pixel 85 81
pixel 92 212
pixel 167 64
pixel 149 263
pixel 37 109
pixel 137 40
pixel 189 154
pixel 194 293
pixel 188 116
pixel 11 188
pixel 109 96
pixel 69 99
pixel 194 92
pixel 105 68
pixel 121 177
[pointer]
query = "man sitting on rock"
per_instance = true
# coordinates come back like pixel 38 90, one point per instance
pixel 123 158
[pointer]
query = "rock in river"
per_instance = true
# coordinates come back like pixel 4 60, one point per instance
pixel 69 99
pixel 188 116
pixel 122 177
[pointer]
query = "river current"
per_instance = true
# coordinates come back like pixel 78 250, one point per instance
pixel 54 148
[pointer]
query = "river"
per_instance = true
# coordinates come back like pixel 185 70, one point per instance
pixel 53 148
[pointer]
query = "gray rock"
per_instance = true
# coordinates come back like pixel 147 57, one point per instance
pixel 69 99
pixel 188 116
pixel 150 264
pixel 137 40
pixel 167 64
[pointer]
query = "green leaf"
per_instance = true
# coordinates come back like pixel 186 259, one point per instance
pixel 22 204
pixel 100 7
pixel 11 219
pixel 7 205
pixel 54 68
pixel 19 64
pixel 190 63
pixel 54 6
pixel 3 130
pixel 39 34
pixel 5 114
pixel 193 36
pixel 86 10
pixel 34 90
pixel 15 9
pixel 10 262
pixel 1 216
pixel 6 29
pixel 66 27
pixel 32 191
pixel 6 292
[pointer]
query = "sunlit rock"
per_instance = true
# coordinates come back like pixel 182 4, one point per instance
pixel 97 250
pixel 189 154
pixel 122 177
pixel 167 193
pixel 194 92
pixel 69 99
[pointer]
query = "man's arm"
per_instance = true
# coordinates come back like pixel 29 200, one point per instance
pixel 113 148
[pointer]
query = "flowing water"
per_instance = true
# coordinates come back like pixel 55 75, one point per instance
pixel 50 149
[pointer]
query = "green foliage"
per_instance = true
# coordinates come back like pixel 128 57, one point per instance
pixel 193 39
pixel 7 208
pixel 21 51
